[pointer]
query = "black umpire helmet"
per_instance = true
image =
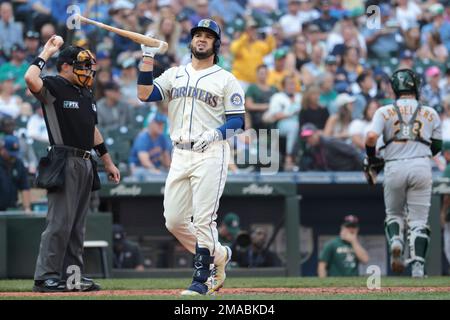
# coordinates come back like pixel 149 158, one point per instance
pixel 211 26
pixel 405 81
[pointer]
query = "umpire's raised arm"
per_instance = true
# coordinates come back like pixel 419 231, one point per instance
pixel 32 76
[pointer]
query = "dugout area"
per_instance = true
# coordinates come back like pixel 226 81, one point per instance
pixel 316 203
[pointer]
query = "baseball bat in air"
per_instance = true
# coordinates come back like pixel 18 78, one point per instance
pixel 134 36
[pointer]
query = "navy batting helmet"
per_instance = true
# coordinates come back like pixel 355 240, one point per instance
pixel 405 81
pixel 212 26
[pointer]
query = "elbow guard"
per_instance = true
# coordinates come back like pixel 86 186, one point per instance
pixel 436 146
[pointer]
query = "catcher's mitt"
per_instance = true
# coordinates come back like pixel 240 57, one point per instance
pixel 371 167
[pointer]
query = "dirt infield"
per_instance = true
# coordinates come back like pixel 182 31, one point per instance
pixel 231 291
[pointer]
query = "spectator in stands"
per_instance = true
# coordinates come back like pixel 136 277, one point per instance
pixel 312 111
pixel 11 32
pixel 406 60
pixel 338 124
pixel 9 102
pixel 327 93
pixel 434 48
pixel 279 72
pixel 127 254
pixel 298 56
pixel 407 13
pixel 331 65
pixel 383 42
pixel 283 111
pixel 249 52
pixel 359 127
pixel 412 37
pixel 32 43
pixel 127 82
pixel 26 153
pixel 229 10
pixel 225 56
pixel 315 68
pixel 341 256
pixel 327 154
pixel 307 12
pixel 13 175
pixel 257 254
pixel 169 30
pixel 47 31
pixel 437 23
pixel 366 84
pixel 36 128
pixel 325 22
pixel 102 77
pixel 345 34
pixel 431 93
pixel 257 98
pixel 185 38
pixel 229 229
pixel 201 11
pixel 444 84
pixel 291 22
pixel 112 112
pixel 17 65
pixel 150 151
pixel 262 8
pixel 350 68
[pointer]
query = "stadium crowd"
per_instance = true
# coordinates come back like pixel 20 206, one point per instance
pixel 315 70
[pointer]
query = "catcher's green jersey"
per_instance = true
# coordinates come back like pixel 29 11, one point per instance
pixel 340 258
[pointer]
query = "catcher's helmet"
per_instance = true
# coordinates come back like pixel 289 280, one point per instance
pixel 212 26
pixel 405 81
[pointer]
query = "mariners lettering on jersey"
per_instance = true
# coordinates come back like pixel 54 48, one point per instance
pixel 407 111
pixel 196 93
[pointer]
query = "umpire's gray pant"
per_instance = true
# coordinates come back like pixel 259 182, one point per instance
pixel 62 240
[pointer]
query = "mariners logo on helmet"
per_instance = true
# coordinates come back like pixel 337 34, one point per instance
pixel 205 23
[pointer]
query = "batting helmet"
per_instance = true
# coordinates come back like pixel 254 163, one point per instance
pixel 212 26
pixel 405 81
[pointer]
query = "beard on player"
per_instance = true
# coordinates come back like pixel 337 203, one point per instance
pixel 201 54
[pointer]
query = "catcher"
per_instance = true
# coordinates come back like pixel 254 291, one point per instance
pixel 412 135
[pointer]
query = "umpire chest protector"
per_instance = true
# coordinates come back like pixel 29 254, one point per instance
pixel 70 113
pixel 407 130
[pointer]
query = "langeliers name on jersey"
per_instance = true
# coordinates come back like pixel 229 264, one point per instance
pixel 200 94
pixel 408 110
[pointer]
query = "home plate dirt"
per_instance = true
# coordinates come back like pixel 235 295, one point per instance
pixel 231 291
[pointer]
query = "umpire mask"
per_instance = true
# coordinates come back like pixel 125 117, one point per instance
pixel 82 68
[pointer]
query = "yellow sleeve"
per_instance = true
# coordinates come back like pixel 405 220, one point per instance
pixel 268 44
pixel 238 44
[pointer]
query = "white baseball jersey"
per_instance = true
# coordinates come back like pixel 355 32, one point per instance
pixel 385 122
pixel 199 100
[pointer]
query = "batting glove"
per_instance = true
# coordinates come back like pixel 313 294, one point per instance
pixel 205 139
pixel 151 51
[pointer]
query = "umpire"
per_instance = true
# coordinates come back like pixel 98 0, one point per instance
pixel 68 171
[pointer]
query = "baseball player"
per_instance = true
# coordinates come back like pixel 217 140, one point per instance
pixel 412 134
pixel 205 104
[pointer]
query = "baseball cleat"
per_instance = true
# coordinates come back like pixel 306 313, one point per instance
pixel 195 289
pixel 397 263
pixel 218 275
pixel 418 270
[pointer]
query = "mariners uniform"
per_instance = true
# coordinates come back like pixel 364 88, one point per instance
pixel 199 101
pixel 409 130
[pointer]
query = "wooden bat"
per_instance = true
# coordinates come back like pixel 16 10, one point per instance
pixel 136 37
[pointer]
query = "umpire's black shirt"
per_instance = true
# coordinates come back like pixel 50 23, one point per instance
pixel 70 112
